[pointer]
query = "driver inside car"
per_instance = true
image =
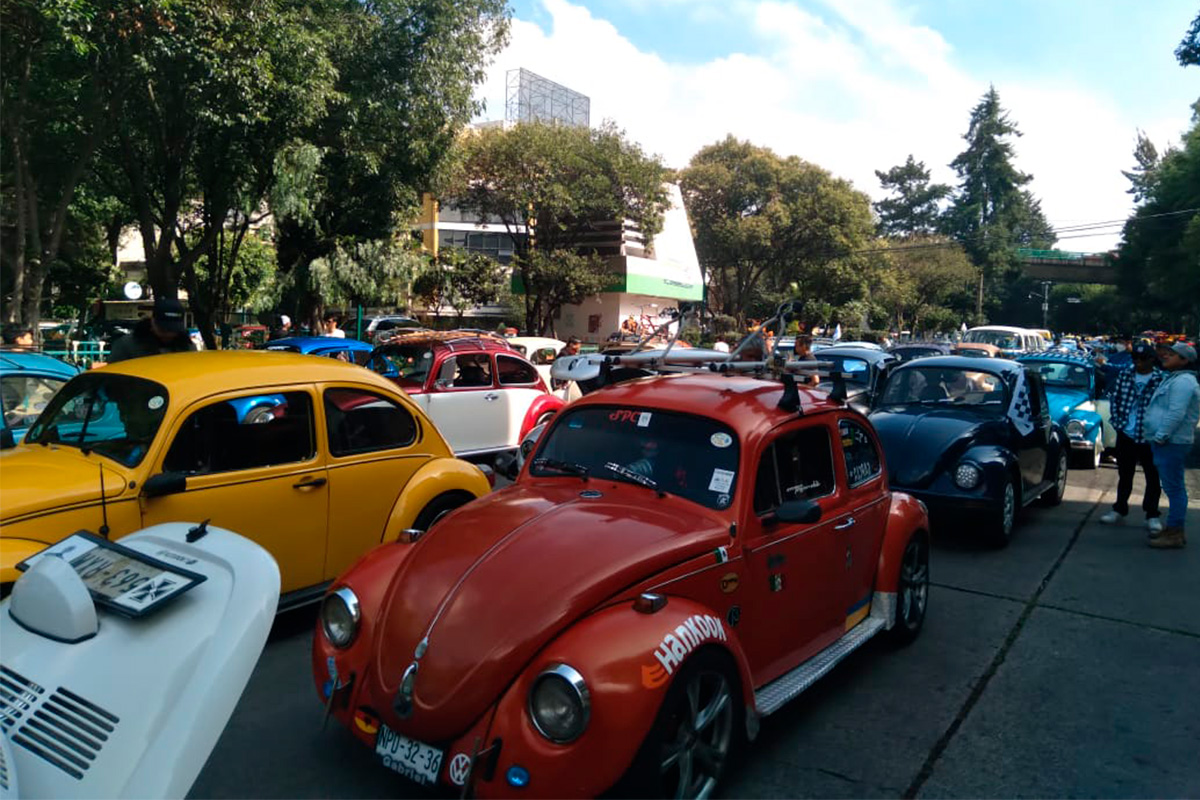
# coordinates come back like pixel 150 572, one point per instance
pixel 644 465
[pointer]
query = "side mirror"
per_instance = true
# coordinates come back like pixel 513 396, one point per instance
pixel 7 440
pixel 164 483
pixel 796 512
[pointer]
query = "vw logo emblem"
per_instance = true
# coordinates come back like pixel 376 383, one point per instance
pixel 590 494
pixel 460 767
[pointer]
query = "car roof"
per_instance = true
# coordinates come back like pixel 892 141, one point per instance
pixel 533 342
pixel 1076 357
pixel 16 361
pixel 1004 329
pixel 748 405
pixel 1001 365
pixel 865 353
pixel 308 343
pixel 193 375
pixel 454 341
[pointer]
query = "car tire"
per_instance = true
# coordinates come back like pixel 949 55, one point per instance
pixel 1054 495
pixel 439 507
pixel 912 591
pixel 680 758
pixel 1004 518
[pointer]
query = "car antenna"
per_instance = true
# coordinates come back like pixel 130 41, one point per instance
pixel 103 505
pixel 199 531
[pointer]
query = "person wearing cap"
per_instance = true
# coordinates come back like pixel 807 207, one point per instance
pixel 1130 393
pixel 164 331
pixel 1170 425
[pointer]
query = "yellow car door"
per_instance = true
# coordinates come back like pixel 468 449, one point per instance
pixel 250 463
pixel 375 445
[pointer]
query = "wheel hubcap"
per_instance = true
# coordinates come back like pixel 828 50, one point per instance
pixel 1062 473
pixel 1009 502
pixel 914 577
pixel 692 760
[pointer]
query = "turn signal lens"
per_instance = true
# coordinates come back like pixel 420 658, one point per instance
pixel 967 476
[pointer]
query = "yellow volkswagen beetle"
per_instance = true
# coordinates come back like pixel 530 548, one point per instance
pixel 317 460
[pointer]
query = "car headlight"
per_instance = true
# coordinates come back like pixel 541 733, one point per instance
pixel 340 616
pixel 1076 427
pixel 967 476
pixel 559 704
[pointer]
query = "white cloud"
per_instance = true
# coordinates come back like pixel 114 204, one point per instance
pixel 854 90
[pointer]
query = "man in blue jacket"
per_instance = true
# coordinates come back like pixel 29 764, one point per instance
pixel 1170 426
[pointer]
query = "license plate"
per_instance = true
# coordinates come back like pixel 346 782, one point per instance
pixel 412 759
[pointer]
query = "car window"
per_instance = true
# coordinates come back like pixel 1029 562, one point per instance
pixel 943 385
pixel 544 355
pixel 471 370
pixel 682 454
pixel 359 421
pixel 24 397
pixel 856 370
pixel 514 371
pixel 858 450
pixel 257 430
pixel 796 466
pixel 409 361
pixel 1063 375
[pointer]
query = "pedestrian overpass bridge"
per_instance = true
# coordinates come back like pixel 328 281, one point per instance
pixel 1064 266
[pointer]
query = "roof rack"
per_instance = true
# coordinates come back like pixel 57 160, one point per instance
pixel 598 368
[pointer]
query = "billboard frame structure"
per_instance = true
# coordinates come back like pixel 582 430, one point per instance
pixel 531 98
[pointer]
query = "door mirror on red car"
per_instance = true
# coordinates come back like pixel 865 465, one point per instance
pixel 796 512
pixel 164 483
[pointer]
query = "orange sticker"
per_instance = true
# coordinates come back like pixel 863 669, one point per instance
pixel 654 677
pixel 729 582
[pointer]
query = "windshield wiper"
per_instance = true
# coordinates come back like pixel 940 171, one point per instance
pixel 635 477
pixel 561 466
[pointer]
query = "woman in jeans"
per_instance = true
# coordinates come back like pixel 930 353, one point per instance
pixel 1170 427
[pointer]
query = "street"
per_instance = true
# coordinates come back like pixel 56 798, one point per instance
pixel 1067 664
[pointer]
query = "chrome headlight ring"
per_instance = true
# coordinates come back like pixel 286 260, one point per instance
pixel 1076 428
pixel 340 617
pixel 559 704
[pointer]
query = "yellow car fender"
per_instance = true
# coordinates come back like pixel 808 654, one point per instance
pixel 440 476
pixel 14 551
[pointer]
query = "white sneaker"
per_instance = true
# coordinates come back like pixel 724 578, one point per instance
pixel 1111 518
pixel 1154 525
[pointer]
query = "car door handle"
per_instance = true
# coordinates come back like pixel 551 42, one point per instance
pixel 309 483
pixel 849 523
pixel 490 396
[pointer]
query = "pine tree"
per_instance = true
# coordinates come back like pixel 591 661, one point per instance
pixel 1141 177
pixel 914 210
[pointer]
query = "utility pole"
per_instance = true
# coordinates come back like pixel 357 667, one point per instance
pixel 1045 303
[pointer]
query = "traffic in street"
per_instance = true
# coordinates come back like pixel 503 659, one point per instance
pixel 1063 665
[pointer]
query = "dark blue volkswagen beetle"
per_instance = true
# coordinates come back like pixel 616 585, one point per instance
pixel 972 437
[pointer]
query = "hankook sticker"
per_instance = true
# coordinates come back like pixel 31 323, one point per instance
pixel 675 646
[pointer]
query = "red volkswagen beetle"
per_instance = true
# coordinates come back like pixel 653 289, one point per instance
pixel 679 558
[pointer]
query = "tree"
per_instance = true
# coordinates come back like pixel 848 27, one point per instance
pixel 1188 51
pixel 1141 177
pixel 53 121
pixel 992 214
pixel 406 72
pixel 923 277
pixel 915 210
pixel 768 226
pixel 554 187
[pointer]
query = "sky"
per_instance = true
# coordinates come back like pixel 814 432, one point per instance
pixel 856 86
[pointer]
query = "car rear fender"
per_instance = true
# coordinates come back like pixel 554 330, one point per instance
pixel 12 552
pixel 437 477
pixel 906 517
pixel 628 660
pixel 545 404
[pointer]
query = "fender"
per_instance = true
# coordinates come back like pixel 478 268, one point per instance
pixel 14 551
pixel 546 403
pixel 906 517
pixel 435 477
pixel 992 458
pixel 628 660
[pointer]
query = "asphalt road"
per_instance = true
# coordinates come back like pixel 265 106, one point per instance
pixel 1067 665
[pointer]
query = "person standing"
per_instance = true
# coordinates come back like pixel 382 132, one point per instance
pixel 164 331
pixel 18 336
pixel 1131 392
pixel 1170 425
pixel 330 327
pixel 803 352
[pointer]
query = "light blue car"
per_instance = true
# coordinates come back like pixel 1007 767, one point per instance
pixel 1075 392
pixel 27 382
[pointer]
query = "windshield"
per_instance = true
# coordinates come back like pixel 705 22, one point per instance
pixel 409 361
pixel 855 369
pixel 693 457
pixel 24 397
pixel 944 386
pixel 1005 341
pixel 114 415
pixel 1063 374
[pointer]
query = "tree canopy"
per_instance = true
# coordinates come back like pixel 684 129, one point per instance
pixel 914 209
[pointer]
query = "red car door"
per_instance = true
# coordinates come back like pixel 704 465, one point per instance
pixel 859 529
pixel 794 572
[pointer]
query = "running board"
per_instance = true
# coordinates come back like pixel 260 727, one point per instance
pixel 787 687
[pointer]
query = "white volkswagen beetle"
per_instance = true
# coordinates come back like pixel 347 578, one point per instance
pixel 122 662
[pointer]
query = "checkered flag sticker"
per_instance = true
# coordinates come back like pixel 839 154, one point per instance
pixel 1021 410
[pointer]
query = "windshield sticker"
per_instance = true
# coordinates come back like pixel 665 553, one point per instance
pixel 722 480
pixel 675 646
pixel 627 415
pixel 575 423
pixel 723 501
pixel 644 420
pixel 721 440
pixel 155 403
